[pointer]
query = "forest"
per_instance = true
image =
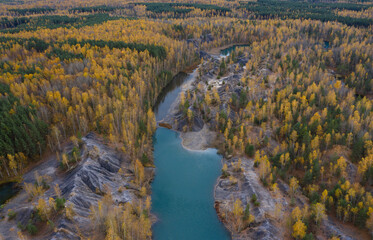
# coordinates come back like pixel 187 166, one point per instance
pixel 315 121
pixel 18 24
pixel 181 7
pixel 322 11
pixel 29 11
pixel 294 98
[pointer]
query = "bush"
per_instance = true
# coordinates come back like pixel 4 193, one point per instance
pixel 309 236
pixel 362 217
pixel 254 200
pixel 60 203
pixel 357 150
pixel 308 178
pixel 249 150
pixel 11 214
pixel 31 229
pixel 20 226
pixel 314 197
pixel 224 174
pixel 145 159
pixel 246 215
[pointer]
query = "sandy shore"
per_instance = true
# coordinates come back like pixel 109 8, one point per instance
pixel 201 140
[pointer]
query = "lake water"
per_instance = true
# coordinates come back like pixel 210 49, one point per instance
pixel 225 52
pixel 170 93
pixel 326 44
pixel 7 190
pixel 183 187
pixel 182 191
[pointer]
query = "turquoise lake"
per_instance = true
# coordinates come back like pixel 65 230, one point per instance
pixel 182 190
pixel 225 52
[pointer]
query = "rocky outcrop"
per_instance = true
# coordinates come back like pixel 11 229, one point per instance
pixel 97 175
pixel 247 185
pixel 181 120
pixel 332 228
pixel 82 187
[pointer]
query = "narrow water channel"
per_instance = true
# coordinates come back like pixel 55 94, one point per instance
pixel 183 187
pixel 170 93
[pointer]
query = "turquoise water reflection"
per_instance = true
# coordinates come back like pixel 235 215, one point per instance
pixel 183 187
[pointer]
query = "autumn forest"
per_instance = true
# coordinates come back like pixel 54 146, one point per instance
pixel 289 109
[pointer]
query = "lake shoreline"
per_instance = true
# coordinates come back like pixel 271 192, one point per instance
pixel 200 138
pixel 267 224
pixel 193 173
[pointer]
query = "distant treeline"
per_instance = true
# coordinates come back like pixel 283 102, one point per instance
pixel 338 1
pixel 37 45
pixel 41 46
pixel 175 7
pixel 28 11
pixel 13 25
pixel 101 8
pixel 308 10
pixel 154 51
